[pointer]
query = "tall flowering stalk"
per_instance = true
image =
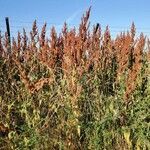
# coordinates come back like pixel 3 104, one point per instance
pixel 81 50
pixel 136 67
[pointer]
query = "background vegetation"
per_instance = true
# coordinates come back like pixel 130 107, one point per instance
pixel 79 90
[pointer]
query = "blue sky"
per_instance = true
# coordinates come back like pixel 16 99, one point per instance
pixel 118 14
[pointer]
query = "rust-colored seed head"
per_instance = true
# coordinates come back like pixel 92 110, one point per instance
pixel 78 49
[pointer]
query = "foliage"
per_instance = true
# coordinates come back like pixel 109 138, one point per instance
pixel 77 90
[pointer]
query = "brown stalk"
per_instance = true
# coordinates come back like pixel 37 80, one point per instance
pixel 1 46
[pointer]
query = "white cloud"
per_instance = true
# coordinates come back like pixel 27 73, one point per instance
pixel 73 16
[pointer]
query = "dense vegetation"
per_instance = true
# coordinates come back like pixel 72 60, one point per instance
pixel 79 90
